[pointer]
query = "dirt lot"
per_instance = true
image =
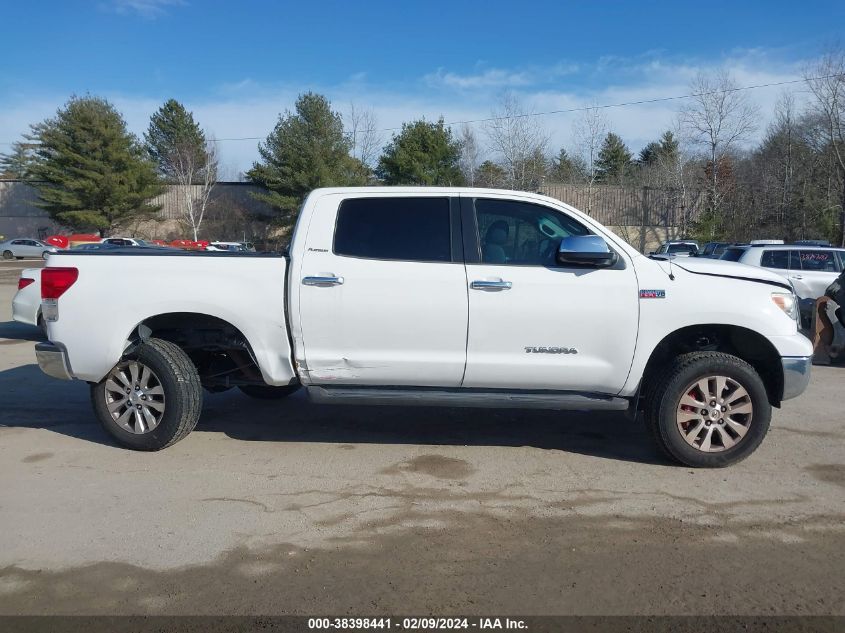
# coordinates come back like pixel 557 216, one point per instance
pixel 272 508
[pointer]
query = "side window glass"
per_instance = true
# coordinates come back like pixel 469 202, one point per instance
pixel 794 261
pixel 775 259
pixel 405 229
pixel 820 261
pixel 521 233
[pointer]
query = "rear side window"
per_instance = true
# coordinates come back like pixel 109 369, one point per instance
pixel 733 254
pixel 408 229
pixel 775 259
pixel 821 261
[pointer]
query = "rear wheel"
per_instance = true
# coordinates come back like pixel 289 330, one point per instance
pixel 708 410
pixel 151 399
pixel 268 392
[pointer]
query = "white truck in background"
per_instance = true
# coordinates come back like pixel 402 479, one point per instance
pixel 431 296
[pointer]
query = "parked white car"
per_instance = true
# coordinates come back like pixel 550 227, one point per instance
pixel 230 247
pixel 123 241
pixel 26 305
pixel 811 269
pixel 439 297
pixel 25 247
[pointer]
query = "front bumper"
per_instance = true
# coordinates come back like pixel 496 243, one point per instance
pixel 796 375
pixel 52 359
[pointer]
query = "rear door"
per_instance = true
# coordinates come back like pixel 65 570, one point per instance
pixel 383 293
pixel 819 269
pixel 534 324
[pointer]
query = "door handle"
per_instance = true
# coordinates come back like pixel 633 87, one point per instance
pixel 796 277
pixel 480 284
pixel 327 280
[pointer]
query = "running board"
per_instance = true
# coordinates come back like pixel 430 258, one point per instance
pixel 434 397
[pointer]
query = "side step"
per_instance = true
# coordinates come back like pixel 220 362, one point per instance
pixel 437 397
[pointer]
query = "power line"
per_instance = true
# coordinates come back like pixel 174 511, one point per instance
pixel 605 106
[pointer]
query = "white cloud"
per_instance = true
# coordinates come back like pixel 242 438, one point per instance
pixel 149 9
pixel 250 108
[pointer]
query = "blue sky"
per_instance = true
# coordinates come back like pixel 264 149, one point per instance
pixel 238 64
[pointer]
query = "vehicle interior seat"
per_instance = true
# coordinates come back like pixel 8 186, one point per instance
pixel 495 238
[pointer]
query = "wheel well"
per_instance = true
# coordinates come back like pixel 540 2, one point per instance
pixel 746 344
pixel 220 352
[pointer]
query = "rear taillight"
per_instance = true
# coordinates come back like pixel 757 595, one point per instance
pixel 23 282
pixel 55 281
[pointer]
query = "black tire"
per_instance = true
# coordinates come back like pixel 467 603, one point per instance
pixel 8 255
pixel 182 397
pixel 44 255
pixel 268 392
pixel 664 398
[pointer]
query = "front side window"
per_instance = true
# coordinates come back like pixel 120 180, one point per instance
pixel 820 261
pixel 408 229
pixel 521 233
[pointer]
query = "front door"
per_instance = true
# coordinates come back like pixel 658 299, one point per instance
pixel 383 297
pixel 534 324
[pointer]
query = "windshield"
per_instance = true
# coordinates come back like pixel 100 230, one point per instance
pixel 682 248
pixel 732 254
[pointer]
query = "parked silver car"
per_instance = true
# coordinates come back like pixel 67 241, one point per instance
pixel 25 247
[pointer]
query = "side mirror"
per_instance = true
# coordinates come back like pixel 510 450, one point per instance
pixel 585 250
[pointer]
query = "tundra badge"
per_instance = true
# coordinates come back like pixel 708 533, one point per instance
pixel 551 350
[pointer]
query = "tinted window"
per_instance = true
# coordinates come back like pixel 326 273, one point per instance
pixel 683 248
pixel 520 233
pixel 822 261
pixel 411 229
pixel 775 259
pixel 733 254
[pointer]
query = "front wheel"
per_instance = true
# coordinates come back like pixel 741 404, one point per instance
pixel 708 410
pixel 8 255
pixel 151 399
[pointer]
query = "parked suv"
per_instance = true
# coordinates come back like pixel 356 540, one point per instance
pixel 810 269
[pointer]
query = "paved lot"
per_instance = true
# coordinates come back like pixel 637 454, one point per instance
pixel 294 508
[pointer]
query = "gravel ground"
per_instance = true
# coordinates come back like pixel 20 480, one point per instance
pixel 289 507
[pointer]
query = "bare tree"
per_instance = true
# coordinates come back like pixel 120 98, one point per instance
pixel 826 80
pixel 588 132
pixel 517 136
pixel 717 117
pixel 362 126
pixel 470 154
pixel 195 173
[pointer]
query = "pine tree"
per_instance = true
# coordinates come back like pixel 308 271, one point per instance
pixel 90 172
pixel 650 154
pixel 174 140
pixel 307 149
pixel 490 175
pixel 614 159
pixel 669 147
pixel 18 162
pixel 566 168
pixel 423 153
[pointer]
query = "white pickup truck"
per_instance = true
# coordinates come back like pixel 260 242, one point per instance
pixel 431 296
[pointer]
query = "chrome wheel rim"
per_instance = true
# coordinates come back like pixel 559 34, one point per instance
pixel 714 414
pixel 134 397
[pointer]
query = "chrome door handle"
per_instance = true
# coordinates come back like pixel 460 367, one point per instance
pixel 796 277
pixel 479 284
pixel 323 281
